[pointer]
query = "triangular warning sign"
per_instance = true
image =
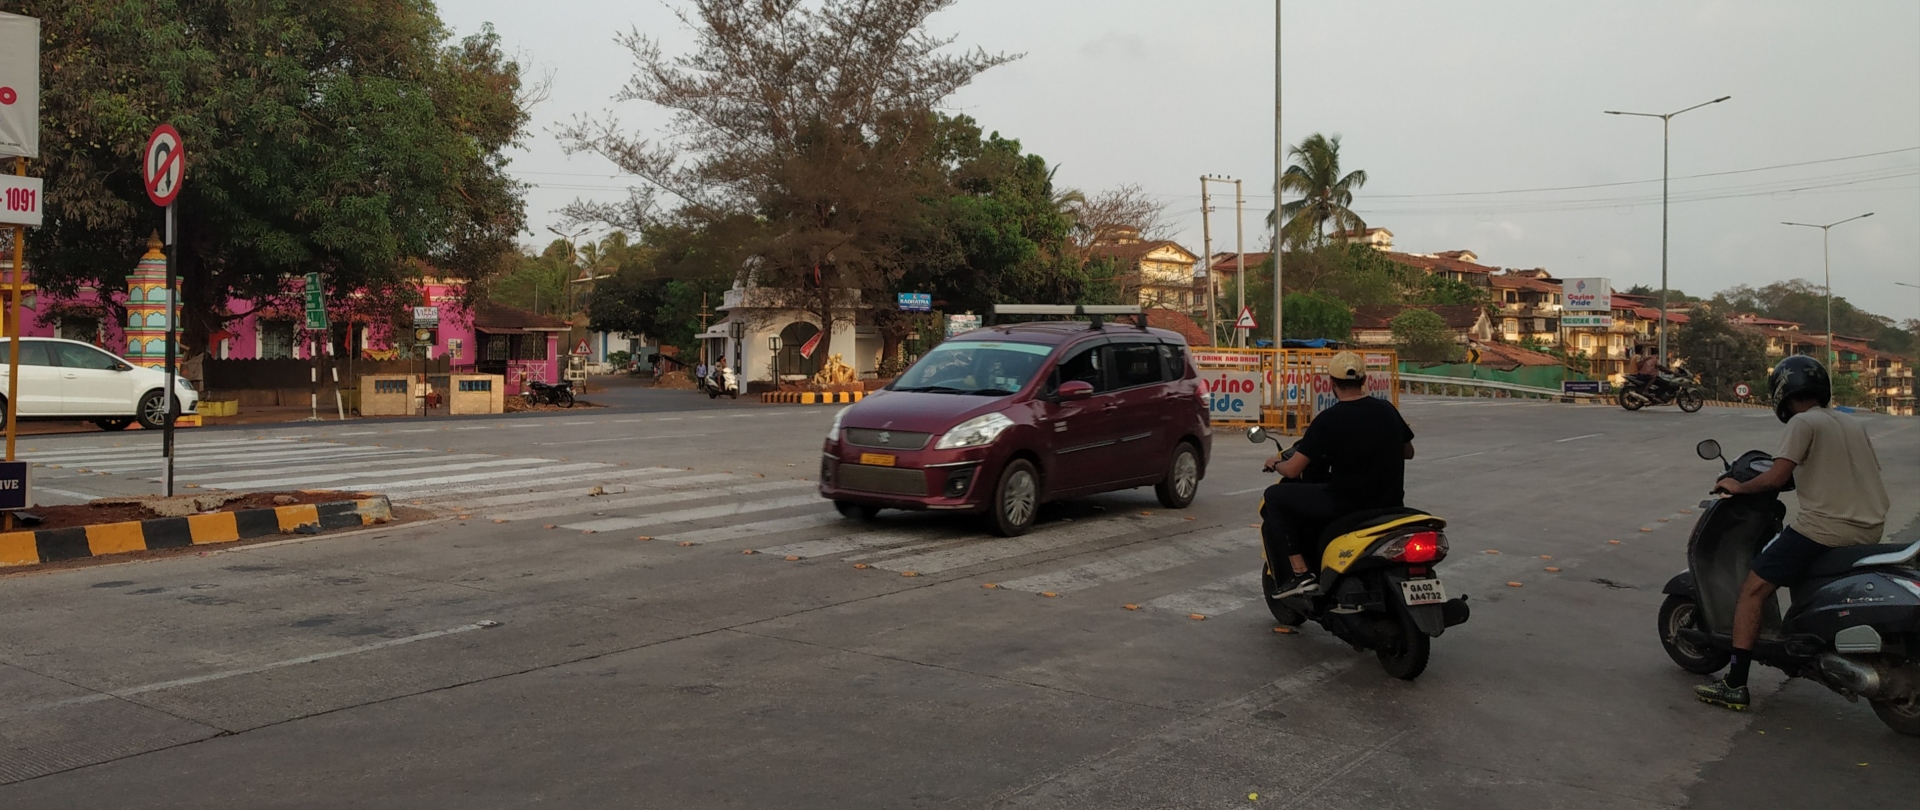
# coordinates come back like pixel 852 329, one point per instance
pixel 1246 319
pixel 581 347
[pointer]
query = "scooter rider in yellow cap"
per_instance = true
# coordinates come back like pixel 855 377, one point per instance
pixel 1364 444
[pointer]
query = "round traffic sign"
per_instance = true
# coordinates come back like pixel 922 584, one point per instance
pixel 164 164
pixel 1742 390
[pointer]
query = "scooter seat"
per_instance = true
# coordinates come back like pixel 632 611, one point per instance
pixel 1366 519
pixel 1839 562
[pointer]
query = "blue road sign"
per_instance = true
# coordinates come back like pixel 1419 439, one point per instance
pixel 1590 388
pixel 916 302
pixel 14 490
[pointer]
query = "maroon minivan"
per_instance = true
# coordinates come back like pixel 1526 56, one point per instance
pixel 1002 419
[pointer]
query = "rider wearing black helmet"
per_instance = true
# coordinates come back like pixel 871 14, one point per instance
pixel 1830 462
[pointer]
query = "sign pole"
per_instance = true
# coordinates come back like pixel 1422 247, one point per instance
pixel 173 316
pixel 13 332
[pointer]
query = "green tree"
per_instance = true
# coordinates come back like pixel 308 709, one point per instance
pixel 1326 195
pixel 816 119
pixel 1850 391
pixel 352 139
pixel 1315 315
pixel 1422 336
pixel 1723 356
pixel 1805 302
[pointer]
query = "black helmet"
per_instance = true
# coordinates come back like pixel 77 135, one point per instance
pixel 1798 376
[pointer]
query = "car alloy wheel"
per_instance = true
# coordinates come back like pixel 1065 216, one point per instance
pixel 1016 499
pixel 153 411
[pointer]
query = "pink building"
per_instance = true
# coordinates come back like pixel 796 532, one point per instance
pixel 484 339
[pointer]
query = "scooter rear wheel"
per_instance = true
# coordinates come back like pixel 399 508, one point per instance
pixel 1901 716
pixel 1281 613
pixel 1406 651
pixel 1682 613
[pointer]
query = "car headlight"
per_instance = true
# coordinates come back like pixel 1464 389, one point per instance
pixel 974 432
pixel 833 433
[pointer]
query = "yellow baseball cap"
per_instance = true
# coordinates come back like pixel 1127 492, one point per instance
pixel 1347 366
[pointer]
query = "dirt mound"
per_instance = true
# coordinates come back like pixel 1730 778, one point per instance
pixel 675 379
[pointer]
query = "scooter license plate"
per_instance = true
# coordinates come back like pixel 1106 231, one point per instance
pixel 1423 592
pixel 877 459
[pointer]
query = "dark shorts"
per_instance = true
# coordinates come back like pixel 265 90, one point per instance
pixel 1785 558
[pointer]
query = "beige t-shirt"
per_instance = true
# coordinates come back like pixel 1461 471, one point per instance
pixel 1837 478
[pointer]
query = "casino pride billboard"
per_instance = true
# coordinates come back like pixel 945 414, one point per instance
pixel 19 86
pixel 1587 294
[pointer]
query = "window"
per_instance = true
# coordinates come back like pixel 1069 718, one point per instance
pixel 975 366
pixel 1174 360
pixel 1084 366
pixel 495 348
pixel 1136 364
pixel 74 355
pixel 276 340
pixel 32 353
pixel 85 330
pixel 532 347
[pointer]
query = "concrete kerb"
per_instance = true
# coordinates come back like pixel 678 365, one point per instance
pixel 812 397
pixel 80 542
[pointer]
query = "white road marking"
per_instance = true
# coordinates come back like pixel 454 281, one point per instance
pixel 1214 598
pixel 231 673
pixel 322 479
pixel 1577 438
pixel 1142 562
pixel 624 438
pixel 603 504
pixel 841 545
pixel 413 484
pixel 1462 455
pixel 1048 539
pixel 530 486
pixel 763 528
pixel 299 457
pixel 1261 488
pixel 115 452
pixel 700 513
pixel 622 478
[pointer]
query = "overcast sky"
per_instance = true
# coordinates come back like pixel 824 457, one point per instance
pixel 1436 101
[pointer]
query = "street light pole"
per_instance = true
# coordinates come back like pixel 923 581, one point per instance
pixel 1826 262
pixel 1279 168
pixel 1665 142
pixel 566 284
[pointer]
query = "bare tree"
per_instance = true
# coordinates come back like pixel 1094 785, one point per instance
pixel 813 116
pixel 1109 215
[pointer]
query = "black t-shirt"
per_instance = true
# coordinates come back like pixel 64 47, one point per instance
pixel 1364 442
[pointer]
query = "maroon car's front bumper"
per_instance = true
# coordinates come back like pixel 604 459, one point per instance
pixel 947 480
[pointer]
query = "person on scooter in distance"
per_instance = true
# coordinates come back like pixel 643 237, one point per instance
pixel 1830 462
pixel 1646 369
pixel 1365 443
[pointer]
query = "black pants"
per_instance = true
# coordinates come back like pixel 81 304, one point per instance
pixel 1292 517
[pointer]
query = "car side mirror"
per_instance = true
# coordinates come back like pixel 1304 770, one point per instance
pixel 1708 450
pixel 1074 390
pixel 122 367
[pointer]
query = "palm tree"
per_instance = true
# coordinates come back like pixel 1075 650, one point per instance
pixel 1325 193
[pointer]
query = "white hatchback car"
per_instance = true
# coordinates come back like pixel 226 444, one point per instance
pixel 70 380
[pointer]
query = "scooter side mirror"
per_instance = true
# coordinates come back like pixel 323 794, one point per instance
pixel 1257 435
pixel 1708 450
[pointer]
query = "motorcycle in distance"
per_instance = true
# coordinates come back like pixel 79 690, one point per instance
pixel 1852 625
pixel 1677 388
pixel 560 393
pixel 721 381
pixel 1378 589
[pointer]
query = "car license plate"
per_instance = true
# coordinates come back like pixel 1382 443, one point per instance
pixel 877 459
pixel 1423 592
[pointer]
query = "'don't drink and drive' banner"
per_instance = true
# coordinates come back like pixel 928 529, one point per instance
pixel 19 86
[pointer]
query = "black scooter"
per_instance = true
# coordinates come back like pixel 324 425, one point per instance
pixel 1853 625
pixel 560 393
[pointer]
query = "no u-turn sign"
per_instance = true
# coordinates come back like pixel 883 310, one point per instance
pixel 163 166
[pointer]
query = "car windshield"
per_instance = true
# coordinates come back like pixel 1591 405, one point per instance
pixel 985 367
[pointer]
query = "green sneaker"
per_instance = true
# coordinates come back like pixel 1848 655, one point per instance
pixel 1719 693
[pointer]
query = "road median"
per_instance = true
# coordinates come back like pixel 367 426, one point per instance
pixel 24 548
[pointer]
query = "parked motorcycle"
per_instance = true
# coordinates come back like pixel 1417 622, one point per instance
pixel 560 393
pixel 1677 388
pixel 1853 625
pixel 1378 589
pixel 721 381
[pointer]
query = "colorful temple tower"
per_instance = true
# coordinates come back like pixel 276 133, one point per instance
pixel 147 308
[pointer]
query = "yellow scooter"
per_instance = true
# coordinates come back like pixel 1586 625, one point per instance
pixel 1378 588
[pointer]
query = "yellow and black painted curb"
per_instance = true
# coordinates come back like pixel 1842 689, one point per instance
pixel 80 542
pixel 812 397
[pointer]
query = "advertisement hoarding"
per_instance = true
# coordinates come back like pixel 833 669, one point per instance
pixel 19 86
pixel 1586 294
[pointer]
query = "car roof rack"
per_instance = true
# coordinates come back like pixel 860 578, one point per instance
pixel 1092 311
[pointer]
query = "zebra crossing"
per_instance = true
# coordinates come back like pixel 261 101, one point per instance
pixel 778 518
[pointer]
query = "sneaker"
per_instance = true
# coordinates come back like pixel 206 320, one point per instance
pixel 1298 585
pixel 1719 693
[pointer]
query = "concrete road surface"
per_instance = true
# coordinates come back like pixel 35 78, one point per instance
pixel 580 628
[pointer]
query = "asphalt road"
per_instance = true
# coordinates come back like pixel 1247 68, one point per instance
pixel 489 661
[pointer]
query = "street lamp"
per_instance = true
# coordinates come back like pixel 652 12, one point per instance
pixel 1826 261
pixel 1665 141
